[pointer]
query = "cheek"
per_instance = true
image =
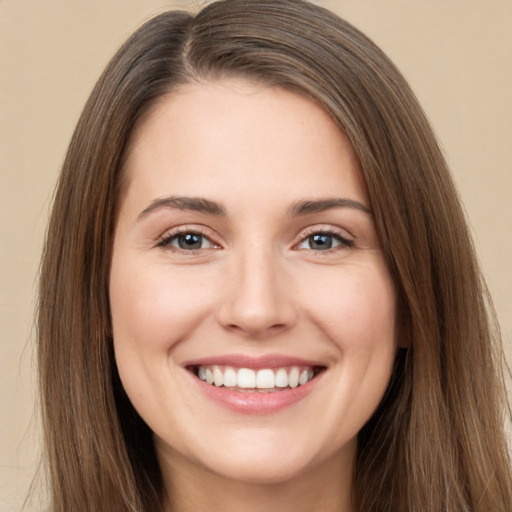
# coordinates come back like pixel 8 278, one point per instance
pixel 357 307
pixel 357 313
pixel 154 308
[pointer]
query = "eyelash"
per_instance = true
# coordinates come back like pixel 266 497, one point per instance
pixel 166 240
pixel 344 243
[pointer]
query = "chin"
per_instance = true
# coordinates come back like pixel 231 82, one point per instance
pixel 262 471
pixel 275 460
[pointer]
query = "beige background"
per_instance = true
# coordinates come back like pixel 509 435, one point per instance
pixel 457 55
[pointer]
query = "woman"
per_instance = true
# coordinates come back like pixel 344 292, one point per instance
pixel 258 289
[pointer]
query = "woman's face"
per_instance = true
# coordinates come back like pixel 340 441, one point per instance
pixel 246 252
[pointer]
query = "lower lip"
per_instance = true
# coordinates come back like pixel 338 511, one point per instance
pixel 256 402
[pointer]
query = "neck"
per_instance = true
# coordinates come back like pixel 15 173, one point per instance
pixel 324 488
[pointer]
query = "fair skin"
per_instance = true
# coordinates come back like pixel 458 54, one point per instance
pixel 277 266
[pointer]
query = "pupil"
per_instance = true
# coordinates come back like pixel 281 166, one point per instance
pixel 321 242
pixel 190 241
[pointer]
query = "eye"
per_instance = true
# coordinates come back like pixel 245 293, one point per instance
pixel 324 241
pixel 187 241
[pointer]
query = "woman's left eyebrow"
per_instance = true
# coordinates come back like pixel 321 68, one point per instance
pixel 319 205
pixel 197 204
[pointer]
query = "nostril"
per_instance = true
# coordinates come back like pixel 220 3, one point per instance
pixel 256 332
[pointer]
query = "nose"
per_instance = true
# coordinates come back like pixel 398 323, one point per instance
pixel 257 302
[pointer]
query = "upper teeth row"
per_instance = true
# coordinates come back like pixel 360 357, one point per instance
pixel 262 379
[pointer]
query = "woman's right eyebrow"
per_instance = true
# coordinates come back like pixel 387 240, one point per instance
pixel 197 204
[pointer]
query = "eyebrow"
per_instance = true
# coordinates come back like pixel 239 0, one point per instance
pixel 197 204
pixel 307 207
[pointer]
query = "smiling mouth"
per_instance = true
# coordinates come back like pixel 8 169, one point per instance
pixel 264 380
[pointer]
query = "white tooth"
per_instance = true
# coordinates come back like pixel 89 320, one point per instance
pixel 246 378
pixel 303 377
pixel 293 377
pixel 265 379
pixel 218 376
pixel 311 374
pixel 209 376
pixel 229 378
pixel 201 373
pixel 281 378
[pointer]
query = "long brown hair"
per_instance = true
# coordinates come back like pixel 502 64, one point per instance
pixel 437 440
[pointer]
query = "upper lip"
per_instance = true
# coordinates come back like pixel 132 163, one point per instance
pixel 254 362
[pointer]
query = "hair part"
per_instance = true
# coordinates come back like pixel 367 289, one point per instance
pixel 436 441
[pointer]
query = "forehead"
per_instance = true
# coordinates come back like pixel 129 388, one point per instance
pixel 254 138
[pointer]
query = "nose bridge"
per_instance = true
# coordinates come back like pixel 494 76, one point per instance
pixel 258 297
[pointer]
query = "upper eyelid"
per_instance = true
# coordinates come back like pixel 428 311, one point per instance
pixel 323 228
pixel 187 228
